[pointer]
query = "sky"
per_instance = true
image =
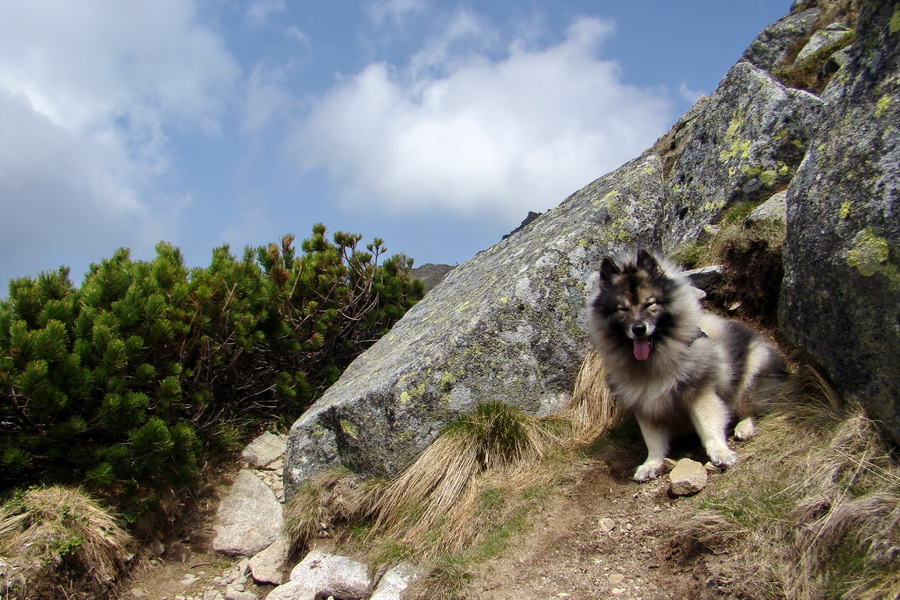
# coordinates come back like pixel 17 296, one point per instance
pixel 436 125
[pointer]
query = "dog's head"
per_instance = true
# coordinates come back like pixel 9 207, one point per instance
pixel 632 298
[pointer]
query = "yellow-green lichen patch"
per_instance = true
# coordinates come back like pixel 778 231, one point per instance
pixel 735 147
pixel 894 23
pixel 882 105
pixel 404 397
pixel 845 209
pixel 870 255
pixel 447 378
pixel 768 176
pixel 714 205
pixel 350 429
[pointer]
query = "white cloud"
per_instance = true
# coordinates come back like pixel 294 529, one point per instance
pixel 259 11
pixel 90 94
pixel 486 137
pixel 464 37
pixel 265 99
pixel 394 11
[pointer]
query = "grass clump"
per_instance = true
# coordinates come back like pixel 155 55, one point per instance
pixel 58 542
pixel 813 511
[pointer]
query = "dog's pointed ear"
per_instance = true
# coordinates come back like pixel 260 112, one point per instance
pixel 647 262
pixel 608 270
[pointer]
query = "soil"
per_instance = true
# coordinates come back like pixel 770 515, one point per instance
pixel 608 537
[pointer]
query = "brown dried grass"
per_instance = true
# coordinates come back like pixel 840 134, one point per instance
pixel 813 509
pixel 56 536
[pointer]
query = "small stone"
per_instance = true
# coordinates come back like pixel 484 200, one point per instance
pixel 606 524
pixel 616 578
pixel 688 477
pixel 138 593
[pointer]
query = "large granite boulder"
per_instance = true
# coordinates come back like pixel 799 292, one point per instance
pixel 841 292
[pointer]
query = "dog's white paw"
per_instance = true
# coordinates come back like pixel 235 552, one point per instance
pixel 647 471
pixel 723 458
pixel 745 429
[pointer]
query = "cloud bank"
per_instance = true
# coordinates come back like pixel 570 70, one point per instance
pixel 458 130
pixel 89 92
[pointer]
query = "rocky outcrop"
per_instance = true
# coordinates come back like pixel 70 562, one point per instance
pixel 841 293
pixel 748 141
pixel 430 274
pixel 507 325
pixel 771 46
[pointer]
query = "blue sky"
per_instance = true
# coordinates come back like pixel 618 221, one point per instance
pixel 435 125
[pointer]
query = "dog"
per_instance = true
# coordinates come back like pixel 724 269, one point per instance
pixel 674 366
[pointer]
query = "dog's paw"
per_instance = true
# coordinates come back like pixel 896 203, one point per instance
pixel 723 458
pixel 745 429
pixel 647 471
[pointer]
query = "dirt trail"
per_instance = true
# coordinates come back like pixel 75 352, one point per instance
pixel 608 538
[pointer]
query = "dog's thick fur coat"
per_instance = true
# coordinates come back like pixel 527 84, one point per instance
pixel 676 367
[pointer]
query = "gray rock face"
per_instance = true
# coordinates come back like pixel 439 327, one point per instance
pixel 823 38
pixel 506 325
pixel 773 209
pixel 749 139
pixel 269 565
pixel 841 293
pixel 249 518
pixel 772 44
pixel 395 581
pixel 320 575
pixel 264 450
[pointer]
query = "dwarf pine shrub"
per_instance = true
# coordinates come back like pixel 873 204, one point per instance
pixel 124 383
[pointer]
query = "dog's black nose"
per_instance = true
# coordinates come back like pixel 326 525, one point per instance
pixel 638 329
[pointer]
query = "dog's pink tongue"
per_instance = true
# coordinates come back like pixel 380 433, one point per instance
pixel 642 348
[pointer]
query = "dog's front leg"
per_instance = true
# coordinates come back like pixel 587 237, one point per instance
pixel 657 440
pixel 710 417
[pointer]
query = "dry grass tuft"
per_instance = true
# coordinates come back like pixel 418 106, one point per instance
pixel 57 536
pixel 812 511
pixel 437 504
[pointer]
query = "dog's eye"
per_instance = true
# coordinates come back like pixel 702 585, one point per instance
pixel 650 304
pixel 622 309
